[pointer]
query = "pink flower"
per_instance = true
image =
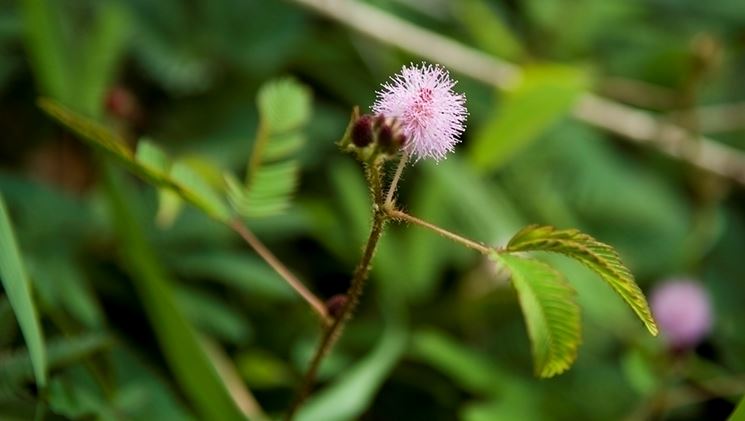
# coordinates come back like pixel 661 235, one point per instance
pixel 683 312
pixel 431 115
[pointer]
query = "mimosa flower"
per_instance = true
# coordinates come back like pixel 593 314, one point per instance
pixel 431 115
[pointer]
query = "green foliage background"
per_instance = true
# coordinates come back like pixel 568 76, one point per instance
pixel 143 306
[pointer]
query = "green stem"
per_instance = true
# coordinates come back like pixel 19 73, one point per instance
pixel 396 177
pixel 402 216
pixel 315 303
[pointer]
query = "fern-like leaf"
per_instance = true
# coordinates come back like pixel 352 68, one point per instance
pixel 551 313
pixel 599 257
pixel 272 175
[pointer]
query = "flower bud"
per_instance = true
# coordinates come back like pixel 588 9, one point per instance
pixel 362 131
pixel 335 304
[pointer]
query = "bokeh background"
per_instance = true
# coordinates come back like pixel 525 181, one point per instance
pixel 439 334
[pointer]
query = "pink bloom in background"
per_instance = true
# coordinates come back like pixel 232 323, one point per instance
pixel 431 115
pixel 683 311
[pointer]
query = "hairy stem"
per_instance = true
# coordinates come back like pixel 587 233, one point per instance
pixel 315 303
pixel 402 216
pixel 332 333
pixel 357 285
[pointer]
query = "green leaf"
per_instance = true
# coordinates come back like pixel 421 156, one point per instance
pixel 284 105
pixel 150 163
pixel 197 191
pixel 272 173
pixel 551 313
pixel 599 257
pixel 152 157
pixel 545 94
pixel 355 390
pixel 18 289
pixel 179 342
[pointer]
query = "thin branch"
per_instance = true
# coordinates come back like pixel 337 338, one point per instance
pixel 716 118
pixel 315 303
pixel 701 152
pixel 402 216
pixel 396 177
pixel 641 127
pixel 357 285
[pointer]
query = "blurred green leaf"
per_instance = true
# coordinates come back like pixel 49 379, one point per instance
pixel 16 367
pixel 178 341
pixel 551 313
pixel 273 169
pixel 210 314
pixel 470 370
pixel 489 31
pixel 18 288
pixel 61 284
pixel 152 157
pixel 238 270
pixel 147 164
pixel 544 94
pixel 510 397
pixel 284 105
pixel 261 369
pixel 349 396
pixel 599 257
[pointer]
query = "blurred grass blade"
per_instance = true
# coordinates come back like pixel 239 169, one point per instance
pixel 355 390
pixel 551 313
pixel 739 413
pixel 47 49
pixel 467 368
pixel 149 162
pixel 101 51
pixel 598 257
pixel 187 359
pixel 544 95
pixel 18 288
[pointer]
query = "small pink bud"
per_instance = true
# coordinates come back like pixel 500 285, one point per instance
pixel 683 311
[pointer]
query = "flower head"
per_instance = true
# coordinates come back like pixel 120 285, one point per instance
pixel 683 312
pixel 431 115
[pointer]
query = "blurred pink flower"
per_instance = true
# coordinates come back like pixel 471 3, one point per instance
pixel 431 115
pixel 683 311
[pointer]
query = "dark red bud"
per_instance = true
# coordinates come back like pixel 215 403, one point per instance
pixel 362 131
pixel 385 136
pixel 336 304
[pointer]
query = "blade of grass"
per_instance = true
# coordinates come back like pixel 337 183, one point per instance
pixel 188 361
pixel 18 288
